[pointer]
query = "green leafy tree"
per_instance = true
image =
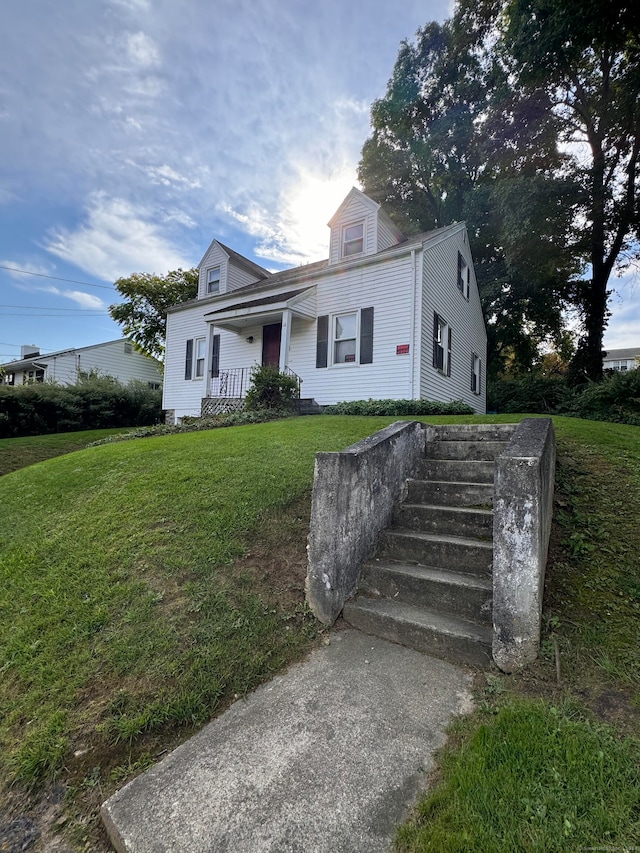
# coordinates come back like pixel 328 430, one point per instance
pixel 437 155
pixel 143 313
pixel 583 57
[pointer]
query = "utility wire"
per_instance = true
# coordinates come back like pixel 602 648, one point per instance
pixel 51 308
pixel 57 278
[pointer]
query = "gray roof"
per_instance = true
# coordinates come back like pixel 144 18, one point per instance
pixel 265 300
pixel 621 354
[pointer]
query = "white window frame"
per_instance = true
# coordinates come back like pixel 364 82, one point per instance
pixel 348 242
pixel 335 340
pixel 476 374
pixel 199 358
pixel 213 278
pixel 443 343
pixel 465 277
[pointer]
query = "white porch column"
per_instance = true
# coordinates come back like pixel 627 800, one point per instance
pixel 207 366
pixel 285 338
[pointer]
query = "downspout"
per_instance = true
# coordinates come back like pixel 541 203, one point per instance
pixel 414 287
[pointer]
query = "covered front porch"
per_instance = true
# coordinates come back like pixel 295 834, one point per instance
pixel 262 330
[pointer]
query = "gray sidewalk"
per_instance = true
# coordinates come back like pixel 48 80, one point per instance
pixel 327 758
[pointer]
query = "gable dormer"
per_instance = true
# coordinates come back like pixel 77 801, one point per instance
pixel 223 270
pixel 360 227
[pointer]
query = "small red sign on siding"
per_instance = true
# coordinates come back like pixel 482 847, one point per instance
pixel 402 349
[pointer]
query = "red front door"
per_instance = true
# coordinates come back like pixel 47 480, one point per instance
pixel 271 335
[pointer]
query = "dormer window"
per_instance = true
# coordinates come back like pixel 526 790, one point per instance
pixel 213 280
pixel 353 240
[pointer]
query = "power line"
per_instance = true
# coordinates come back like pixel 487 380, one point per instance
pixel 57 278
pixel 51 308
pixel 61 316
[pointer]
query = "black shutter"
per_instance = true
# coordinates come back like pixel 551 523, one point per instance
pixel 215 357
pixel 460 279
pixel 479 388
pixel 473 373
pixel 188 361
pixel 449 353
pixel 366 336
pixel 436 327
pixel 322 341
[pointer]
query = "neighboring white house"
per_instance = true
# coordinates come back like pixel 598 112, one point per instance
pixel 119 359
pixel 622 359
pixel 385 317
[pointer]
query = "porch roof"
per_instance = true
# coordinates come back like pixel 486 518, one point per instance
pixel 266 308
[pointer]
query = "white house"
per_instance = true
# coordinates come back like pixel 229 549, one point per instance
pixel 622 359
pixel 118 358
pixel 385 317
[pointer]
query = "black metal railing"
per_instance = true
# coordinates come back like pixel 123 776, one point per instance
pixel 236 381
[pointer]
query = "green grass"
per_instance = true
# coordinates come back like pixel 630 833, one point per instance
pixel 145 584
pixel 547 775
pixel 534 778
pixel 16 453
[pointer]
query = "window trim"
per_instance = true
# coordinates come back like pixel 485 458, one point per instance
pixel 344 242
pixel 476 375
pixel 199 357
pixel 335 340
pixel 464 276
pixel 326 338
pixel 441 345
pixel 211 281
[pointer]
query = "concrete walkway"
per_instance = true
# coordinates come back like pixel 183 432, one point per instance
pixel 327 758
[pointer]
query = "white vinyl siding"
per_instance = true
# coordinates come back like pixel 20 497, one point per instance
pixel 388 234
pixel 214 259
pixel 355 212
pixel 442 296
pixel 385 287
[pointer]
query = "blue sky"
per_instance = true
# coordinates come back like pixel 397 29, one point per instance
pixel 133 132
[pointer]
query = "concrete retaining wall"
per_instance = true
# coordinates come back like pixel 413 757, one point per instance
pixel 353 496
pixel 523 505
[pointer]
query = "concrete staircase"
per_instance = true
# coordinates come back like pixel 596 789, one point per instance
pixel 429 585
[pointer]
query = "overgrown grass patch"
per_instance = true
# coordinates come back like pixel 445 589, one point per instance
pixel 533 778
pixel 16 453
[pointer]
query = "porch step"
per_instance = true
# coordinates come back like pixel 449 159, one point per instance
pixel 470 556
pixel 447 520
pixel 457 594
pixel 422 629
pixel 450 494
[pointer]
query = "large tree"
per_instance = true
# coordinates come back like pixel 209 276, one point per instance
pixel 435 156
pixel 143 313
pixel 482 120
pixel 584 56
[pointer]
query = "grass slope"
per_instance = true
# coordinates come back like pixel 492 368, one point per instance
pixel 145 584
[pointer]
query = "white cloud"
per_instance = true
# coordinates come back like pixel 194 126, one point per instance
pixel 116 239
pixel 12 268
pixel 85 300
pixel 142 50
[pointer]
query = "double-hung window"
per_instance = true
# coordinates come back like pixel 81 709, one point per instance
pixel 345 335
pixel 345 338
pixel 464 276
pixel 353 240
pixel 441 345
pixel 476 373
pixel 195 356
pixel 213 280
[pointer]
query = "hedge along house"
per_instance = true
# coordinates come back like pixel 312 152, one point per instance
pixel 385 317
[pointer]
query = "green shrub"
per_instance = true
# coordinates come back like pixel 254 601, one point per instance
pixel 616 398
pixel 398 407
pixel 271 389
pixel 96 402
pixel 537 394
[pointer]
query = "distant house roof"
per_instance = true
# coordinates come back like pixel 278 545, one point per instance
pixel 40 360
pixel 622 354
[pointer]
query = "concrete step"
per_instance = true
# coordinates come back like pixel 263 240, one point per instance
pixel 472 432
pixel 450 494
pixel 455 593
pixel 433 633
pixel 472 450
pixel 457 470
pixel 472 556
pixel 447 520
